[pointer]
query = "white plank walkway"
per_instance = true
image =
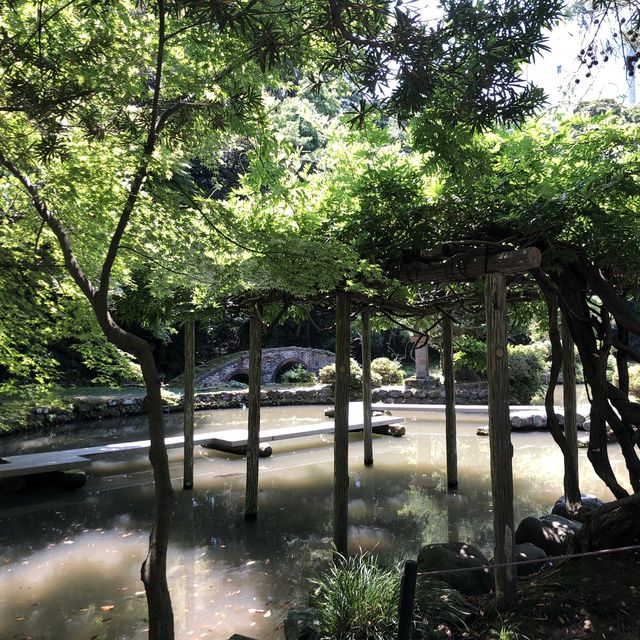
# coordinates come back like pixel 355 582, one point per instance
pixel 32 463
pixel 239 437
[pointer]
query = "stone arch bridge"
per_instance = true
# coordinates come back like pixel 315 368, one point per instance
pixel 235 366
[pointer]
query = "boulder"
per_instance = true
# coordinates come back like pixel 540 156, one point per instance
pixel 458 555
pixel 550 533
pixel 299 624
pixel 528 551
pixel 589 503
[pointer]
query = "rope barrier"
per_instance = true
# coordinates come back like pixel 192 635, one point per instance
pixel 584 554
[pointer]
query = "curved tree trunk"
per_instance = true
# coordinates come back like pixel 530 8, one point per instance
pixel 154 568
pixel 569 454
pixel 590 336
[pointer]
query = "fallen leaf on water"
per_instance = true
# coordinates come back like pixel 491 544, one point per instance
pixel 107 607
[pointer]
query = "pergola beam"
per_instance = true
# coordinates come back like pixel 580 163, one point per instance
pixel 463 267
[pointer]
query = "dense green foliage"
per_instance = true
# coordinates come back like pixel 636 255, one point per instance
pixel 298 375
pixel 389 371
pixel 526 365
pixel 327 375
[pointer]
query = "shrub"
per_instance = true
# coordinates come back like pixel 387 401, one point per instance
pixel 634 380
pixel 298 375
pixel 357 599
pixel 327 375
pixel 526 364
pixel 390 371
pixel 470 360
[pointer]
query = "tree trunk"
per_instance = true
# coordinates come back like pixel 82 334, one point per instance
pixel 154 568
pixel 571 472
pixel 189 378
pixel 450 402
pixel 341 433
pixel 366 387
pixel 500 438
pixel 253 442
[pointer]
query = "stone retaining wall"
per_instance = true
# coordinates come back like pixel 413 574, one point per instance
pixel 96 408
pixel 466 393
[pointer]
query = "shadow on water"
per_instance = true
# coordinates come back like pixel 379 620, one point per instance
pixel 69 563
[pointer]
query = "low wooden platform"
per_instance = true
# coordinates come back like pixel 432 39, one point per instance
pixel 30 464
pixel 235 440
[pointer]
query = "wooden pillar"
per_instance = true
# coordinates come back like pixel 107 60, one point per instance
pixel 253 441
pixel 189 380
pixel 341 440
pixel 571 473
pixel 500 437
pixel 450 402
pixel 366 387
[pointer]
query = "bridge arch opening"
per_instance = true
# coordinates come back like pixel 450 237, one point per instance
pixel 285 366
pixel 239 376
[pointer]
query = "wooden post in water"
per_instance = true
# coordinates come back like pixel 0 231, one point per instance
pixel 450 402
pixel 341 433
pixel 500 437
pixel 189 380
pixel 571 474
pixel 366 387
pixel 253 441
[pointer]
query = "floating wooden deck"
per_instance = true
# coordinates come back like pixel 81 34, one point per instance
pixel 29 464
pixel 233 440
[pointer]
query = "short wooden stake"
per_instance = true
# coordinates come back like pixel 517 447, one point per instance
pixel 407 599
pixel 450 402
pixel 253 442
pixel 189 382
pixel 500 438
pixel 366 387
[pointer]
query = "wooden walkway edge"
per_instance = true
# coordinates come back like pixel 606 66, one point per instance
pixel 32 463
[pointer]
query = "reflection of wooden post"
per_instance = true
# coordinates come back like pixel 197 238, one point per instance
pixel 450 402
pixel 341 440
pixel 500 437
pixel 366 386
pixel 189 379
pixel 571 474
pixel 253 441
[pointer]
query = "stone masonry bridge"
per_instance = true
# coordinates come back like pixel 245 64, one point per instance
pixel 235 366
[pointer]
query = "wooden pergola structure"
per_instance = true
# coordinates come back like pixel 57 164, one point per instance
pixel 494 266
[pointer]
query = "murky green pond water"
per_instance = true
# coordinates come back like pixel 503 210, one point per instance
pixel 70 562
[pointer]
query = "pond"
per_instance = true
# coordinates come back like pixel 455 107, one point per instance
pixel 70 562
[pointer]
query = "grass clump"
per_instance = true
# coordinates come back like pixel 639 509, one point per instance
pixel 357 599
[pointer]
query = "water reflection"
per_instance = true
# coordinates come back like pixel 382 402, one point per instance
pixel 70 562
